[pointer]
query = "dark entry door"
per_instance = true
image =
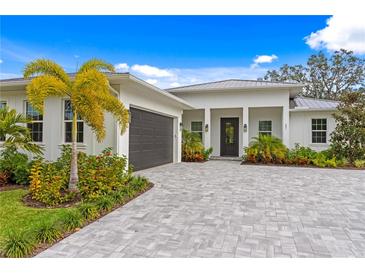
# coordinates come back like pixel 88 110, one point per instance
pixel 150 139
pixel 229 136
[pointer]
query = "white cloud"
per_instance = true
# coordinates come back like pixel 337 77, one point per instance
pixel 121 67
pixel 151 71
pixel 265 59
pixel 1 61
pixel 342 31
pixel 152 81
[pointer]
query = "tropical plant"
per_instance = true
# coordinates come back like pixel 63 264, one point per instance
pixel 89 92
pixel 359 163
pixel 266 149
pixel 72 220
pixel 18 244
pixel 89 211
pixel 15 135
pixel 192 147
pixel 300 155
pixel 348 138
pixel 105 203
pixel 14 166
pixel 47 233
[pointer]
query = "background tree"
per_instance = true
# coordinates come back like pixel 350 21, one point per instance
pixel 89 92
pixel 14 135
pixel 324 77
pixel 348 138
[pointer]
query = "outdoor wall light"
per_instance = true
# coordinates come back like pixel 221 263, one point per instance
pixel 244 127
pixel 181 126
pixel 206 127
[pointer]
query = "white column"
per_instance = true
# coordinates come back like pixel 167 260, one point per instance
pixel 123 139
pixel 178 138
pixel 207 122
pixel 245 119
pixel 285 125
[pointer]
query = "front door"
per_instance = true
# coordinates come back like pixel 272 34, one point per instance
pixel 229 136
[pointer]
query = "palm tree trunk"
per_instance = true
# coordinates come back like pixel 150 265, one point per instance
pixel 74 177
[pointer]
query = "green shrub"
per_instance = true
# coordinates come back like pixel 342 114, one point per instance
pixel 72 220
pixel 138 183
pixel 89 211
pixel 49 184
pixel 105 203
pixel 359 163
pixel 17 245
pixel 98 176
pixel 192 147
pixel 266 149
pixel 301 155
pixel 207 152
pixel 322 160
pixel 47 233
pixel 102 175
pixel 118 197
pixel 16 165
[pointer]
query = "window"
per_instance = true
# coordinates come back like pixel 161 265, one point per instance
pixel 68 115
pixel 265 127
pixel 2 105
pixel 319 131
pixel 198 128
pixel 36 126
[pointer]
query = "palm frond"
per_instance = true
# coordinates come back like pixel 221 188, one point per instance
pixel 96 64
pixel 15 135
pixel 93 87
pixel 46 67
pixel 43 86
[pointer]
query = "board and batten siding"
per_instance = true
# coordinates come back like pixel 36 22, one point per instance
pixel 54 128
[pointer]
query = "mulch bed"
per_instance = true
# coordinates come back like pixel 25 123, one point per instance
pixel 45 246
pixel 303 166
pixel 29 201
pixel 8 187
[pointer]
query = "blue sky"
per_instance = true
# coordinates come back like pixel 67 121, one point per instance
pixel 165 50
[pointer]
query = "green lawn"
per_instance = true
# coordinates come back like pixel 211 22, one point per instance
pixel 14 215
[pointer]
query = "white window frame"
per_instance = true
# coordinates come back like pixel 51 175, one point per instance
pixel 34 121
pixel 319 130
pixel 64 121
pixel 266 132
pixel 196 131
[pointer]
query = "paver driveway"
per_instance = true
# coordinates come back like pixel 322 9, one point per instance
pixel 223 209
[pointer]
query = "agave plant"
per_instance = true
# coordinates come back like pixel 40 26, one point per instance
pixel 89 92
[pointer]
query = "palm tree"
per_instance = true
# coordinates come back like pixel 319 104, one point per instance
pixel 89 92
pixel 14 135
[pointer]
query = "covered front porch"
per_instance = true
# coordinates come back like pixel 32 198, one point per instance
pixel 229 130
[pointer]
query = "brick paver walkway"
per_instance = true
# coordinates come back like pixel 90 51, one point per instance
pixel 223 209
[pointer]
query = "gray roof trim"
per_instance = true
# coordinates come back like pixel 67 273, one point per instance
pixel 311 104
pixel 234 84
pixel 111 76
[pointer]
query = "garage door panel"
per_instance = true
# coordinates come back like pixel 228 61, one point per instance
pixel 150 139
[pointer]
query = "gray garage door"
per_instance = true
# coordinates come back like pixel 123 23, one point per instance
pixel 150 139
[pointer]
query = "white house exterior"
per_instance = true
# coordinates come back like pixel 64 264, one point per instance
pixel 227 114
pixel 258 106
